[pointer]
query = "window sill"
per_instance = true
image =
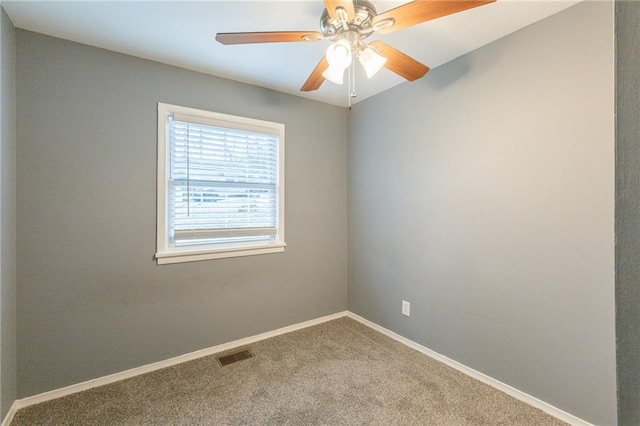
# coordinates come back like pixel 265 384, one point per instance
pixel 166 258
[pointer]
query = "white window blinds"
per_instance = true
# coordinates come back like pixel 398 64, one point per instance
pixel 223 183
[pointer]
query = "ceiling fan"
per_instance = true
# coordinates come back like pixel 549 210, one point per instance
pixel 348 23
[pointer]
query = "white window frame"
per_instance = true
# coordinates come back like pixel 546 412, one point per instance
pixel 165 252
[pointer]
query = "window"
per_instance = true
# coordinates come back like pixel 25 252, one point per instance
pixel 220 185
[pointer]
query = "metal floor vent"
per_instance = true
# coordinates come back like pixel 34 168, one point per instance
pixel 235 357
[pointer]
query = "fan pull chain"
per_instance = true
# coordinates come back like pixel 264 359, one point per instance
pixel 352 84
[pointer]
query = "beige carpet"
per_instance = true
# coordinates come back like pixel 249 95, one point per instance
pixel 337 373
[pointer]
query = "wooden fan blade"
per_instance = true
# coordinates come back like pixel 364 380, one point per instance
pixel 347 5
pixel 403 65
pixel 268 37
pixel 316 79
pixel 419 11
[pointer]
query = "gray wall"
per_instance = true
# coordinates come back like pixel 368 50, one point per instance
pixel 7 215
pixel 628 210
pixel 483 194
pixel 91 300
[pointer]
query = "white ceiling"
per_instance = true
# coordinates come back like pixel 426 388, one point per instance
pixel 182 33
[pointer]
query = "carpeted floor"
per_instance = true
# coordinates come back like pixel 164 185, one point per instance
pixel 336 373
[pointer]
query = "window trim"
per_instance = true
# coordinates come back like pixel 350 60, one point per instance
pixel 165 254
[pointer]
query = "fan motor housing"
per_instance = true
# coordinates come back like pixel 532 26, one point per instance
pixel 362 23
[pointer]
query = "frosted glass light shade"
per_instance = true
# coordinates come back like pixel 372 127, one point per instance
pixel 371 61
pixel 334 74
pixel 339 54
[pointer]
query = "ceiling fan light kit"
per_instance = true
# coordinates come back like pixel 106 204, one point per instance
pixel 347 23
pixel 339 54
pixel 372 61
pixel 334 74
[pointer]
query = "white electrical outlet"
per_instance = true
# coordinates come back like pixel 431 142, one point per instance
pixel 406 308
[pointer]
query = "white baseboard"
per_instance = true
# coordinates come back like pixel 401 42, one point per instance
pixel 101 381
pixel 524 397
pixel 9 417
pixel 79 387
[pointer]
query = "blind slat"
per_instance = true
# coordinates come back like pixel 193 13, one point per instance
pixel 227 232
